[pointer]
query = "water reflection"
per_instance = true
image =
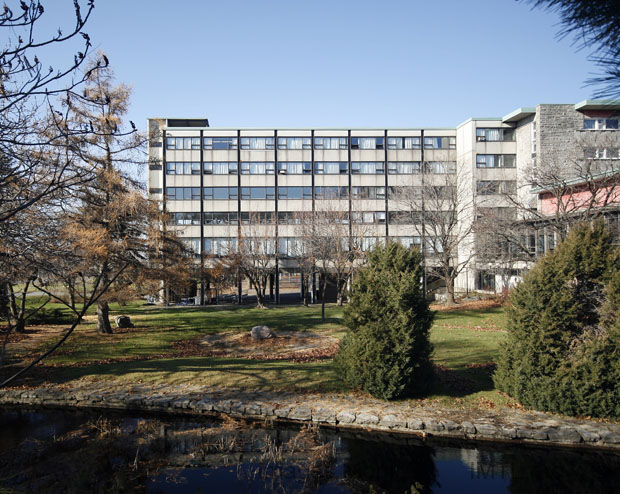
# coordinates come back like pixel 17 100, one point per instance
pixel 54 451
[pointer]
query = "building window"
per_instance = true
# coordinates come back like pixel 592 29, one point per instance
pixel 220 193
pixel 602 153
pixel 368 167
pixel 331 143
pixel 495 160
pixel 183 193
pixel 185 219
pixel 219 143
pixel 440 143
pixel 296 193
pixel 257 143
pixel 368 217
pixel 493 187
pixel 182 168
pixel 331 168
pixel 494 134
pixel 294 168
pixel 368 192
pixel 294 142
pixel 220 246
pixel 367 143
pixel 404 142
pixel 257 168
pixel 485 281
pixel 192 244
pixel 331 193
pixel 258 218
pixel 601 123
pixel 220 168
pixel 180 143
pixel 258 193
pixel 223 218
pixel 290 246
pixel 409 242
pixel 403 167
pixel 442 167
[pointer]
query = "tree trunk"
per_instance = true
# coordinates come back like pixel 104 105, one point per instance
pixel 323 298
pixel 20 325
pixel 450 300
pixel 103 318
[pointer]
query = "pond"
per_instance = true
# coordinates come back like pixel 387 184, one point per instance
pixel 78 451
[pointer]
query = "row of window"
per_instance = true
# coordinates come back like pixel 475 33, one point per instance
pixel 601 123
pixel 320 143
pixel 284 218
pixel 330 192
pixel 330 167
pixel 602 153
pixel 293 247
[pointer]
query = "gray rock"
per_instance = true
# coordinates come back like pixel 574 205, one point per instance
pixel 415 424
pixel 366 419
pixel 324 415
pixel 204 405
pixel 508 432
pixel 237 407
pixel 485 429
pixel 267 410
pixel 468 428
pixel 434 425
pixel 123 322
pixel 262 333
pixel 449 425
pixel 300 413
pixel 180 403
pixel 564 435
pixel 536 434
pixel 610 437
pixel 282 412
pixel 253 409
pixel 392 420
pixel 588 436
pixel 345 417
pixel 222 406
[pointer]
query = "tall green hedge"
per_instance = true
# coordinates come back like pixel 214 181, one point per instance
pixel 386 351
pixel 563 349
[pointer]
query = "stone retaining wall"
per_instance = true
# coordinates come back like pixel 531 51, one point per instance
pixel 344 411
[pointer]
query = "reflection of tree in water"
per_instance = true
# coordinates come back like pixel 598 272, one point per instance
pixel 389 467
pixel 564 472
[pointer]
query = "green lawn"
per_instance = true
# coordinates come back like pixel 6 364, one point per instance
pixel 466 343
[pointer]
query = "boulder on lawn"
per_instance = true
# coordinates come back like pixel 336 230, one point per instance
pixel 262 333
pixel 123 322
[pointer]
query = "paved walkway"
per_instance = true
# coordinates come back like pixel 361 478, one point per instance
pixel 336 410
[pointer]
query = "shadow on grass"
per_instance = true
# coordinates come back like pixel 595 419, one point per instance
pixel 259 375
pixel 458 383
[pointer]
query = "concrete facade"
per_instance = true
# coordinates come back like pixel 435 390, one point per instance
pixel 214 180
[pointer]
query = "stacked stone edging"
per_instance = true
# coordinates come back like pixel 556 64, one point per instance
pixel 343 411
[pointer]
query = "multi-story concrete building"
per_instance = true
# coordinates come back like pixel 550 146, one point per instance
pixel 214 180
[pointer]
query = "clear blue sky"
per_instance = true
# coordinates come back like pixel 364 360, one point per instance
pixel 287 63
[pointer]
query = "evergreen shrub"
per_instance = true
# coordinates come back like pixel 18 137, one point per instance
pixel 562 353
pixel 386 350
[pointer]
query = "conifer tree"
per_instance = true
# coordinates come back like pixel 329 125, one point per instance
pixel 386 351
pixel 563 351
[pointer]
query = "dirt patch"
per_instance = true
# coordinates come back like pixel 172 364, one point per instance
pixel 289 345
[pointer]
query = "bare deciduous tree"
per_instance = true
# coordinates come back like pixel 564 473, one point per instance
pixel 441 212
pixel 256 253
